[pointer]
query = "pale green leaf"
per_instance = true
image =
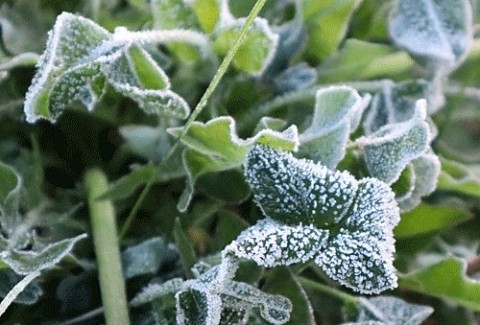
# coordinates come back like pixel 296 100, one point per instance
pixel 10 192
pixel 439 30
pixel 428 219
pixel 214 146
pixel 327 23
pixel 257 49
pixel 336 114
pixel 26 262
pixel 458 177
pixel 208 13
pixel 392 311
pixel 446 280
pixel 388 150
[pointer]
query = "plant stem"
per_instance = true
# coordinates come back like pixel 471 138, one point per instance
pixel 201 104
pixel 329 291
pixel 17 289
pixel 104 232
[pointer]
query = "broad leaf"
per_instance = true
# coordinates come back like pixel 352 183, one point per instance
pixel 343 224
pixel 257 49
pixel 446 280
pixel 26 262
pixel 336 114
pixel 156 291
pixel 146 257
pixel 392 311
pixel 327 24
pixel 214 146
pixel 458 177
pixel 429 219
pixel 439 30
pixel 80 56
pixel 388 150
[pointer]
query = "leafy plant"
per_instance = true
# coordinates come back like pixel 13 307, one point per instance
pixel 239 162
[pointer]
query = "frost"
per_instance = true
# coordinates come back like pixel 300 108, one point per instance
pixel 388 150
pixel 214 146
pixel 26 262
pixel 392 311
pixel 439 30
pixel 337 113
pixel 81 56
pixel 270 243
pixel 213 297
pixel 328 216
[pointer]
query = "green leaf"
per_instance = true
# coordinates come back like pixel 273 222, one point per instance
pixel 459 177
pixel 446 280
pixel 26 262
pixel 327 23
pixel 359 60
pixel 146 257
pixel 10 192
pixel 440 31
pixel 8 279
pixel 80 55
pixel 428 219
pixel 281 281
pixel 173 14
pixel 257 49
pixel 336 114
pixel 392 311
pixel 208 13
pixel 148 142
pixel 350 222
pixel 156 291
pixel 388 150
pixel 214 147
pixel 196 307
pixel 185 249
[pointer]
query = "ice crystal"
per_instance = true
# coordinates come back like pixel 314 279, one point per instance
pixel 343 224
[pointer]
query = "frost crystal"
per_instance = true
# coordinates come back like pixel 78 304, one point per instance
pixel 328 216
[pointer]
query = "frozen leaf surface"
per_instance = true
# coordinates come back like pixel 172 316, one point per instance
pixel 345 225
pixel 393 311
pixel 26 262
pixel 439 30
pixel 214 146
pixel 336 114
pixel 81 56
pixel 388 150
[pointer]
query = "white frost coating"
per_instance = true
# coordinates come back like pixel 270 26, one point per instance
pixel 392 311
pixel 298 191
pixel 16 290
pixel 388 150
pixel 345 225
pixel 440 30
pixel 155 291
pixel 270 243
pixel 26 262
pixel 337 113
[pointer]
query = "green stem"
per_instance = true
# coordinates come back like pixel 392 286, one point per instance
pixel 201 104
pixel 104 232
pixel 329 291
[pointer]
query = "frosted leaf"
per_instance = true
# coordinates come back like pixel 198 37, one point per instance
pixel 337 113
pixel 389 149
pixel 155 291
pixel 80 56
pixel 257 49
pixel 214 146
pixel 234 316
pixel 351 235
pixel 296 191
pixel 72 39
pixel 393 311
pixel 439 30
pixel 10 191
pixel 198 308
pixel 146 257
pixel 270 243
pixel 25 262
pixel 8 280
pixel 427 170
